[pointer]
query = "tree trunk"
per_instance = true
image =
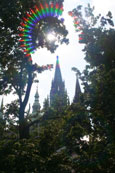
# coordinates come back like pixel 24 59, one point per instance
pixel 23 125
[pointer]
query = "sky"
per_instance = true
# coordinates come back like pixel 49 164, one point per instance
pixel 69 55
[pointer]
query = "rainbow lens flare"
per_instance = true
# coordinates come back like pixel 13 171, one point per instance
pixel 29 23
pixel 77 26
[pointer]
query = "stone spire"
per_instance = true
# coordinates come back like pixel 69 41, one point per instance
pixel 36 105
pixel 77 91
pixel 1 110
pixel 58 76
pixel 58 91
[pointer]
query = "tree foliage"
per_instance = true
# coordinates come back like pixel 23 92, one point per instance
pixel 97 35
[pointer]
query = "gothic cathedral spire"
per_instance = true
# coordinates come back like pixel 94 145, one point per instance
pixel 58 94
pixel 58 76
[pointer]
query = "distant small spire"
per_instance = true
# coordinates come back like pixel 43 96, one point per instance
pixel 77 91
pixel 1 109
pixel 2 103
pixel 36 105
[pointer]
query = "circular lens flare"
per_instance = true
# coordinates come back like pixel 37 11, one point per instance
pixel 32 19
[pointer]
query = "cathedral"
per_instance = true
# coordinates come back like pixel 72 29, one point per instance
pixel 58 92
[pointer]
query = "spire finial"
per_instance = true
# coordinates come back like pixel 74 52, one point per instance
pixel 36 94
pixel 37 87
pixel 37 81
pixel 57 62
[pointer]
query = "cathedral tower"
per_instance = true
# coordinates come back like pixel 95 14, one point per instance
pixel 58 94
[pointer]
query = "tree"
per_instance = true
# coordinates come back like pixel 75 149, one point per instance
pixel 98 81
pixel 60 102
pixel 17 73
pixel 46 104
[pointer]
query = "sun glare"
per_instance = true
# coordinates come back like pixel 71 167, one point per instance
pixel 51 37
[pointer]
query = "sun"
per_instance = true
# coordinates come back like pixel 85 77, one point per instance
pixel 51 37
